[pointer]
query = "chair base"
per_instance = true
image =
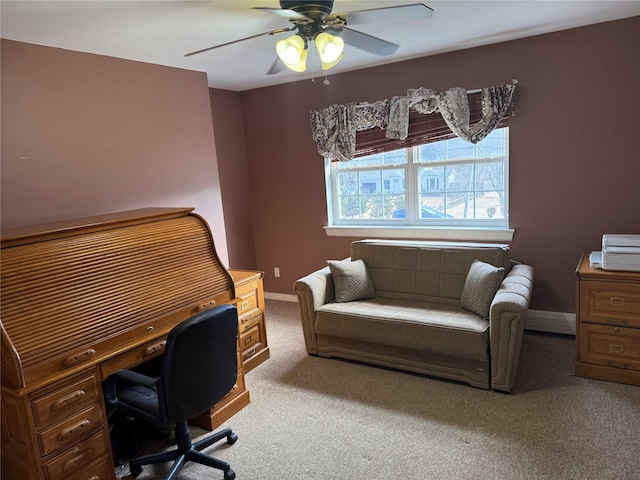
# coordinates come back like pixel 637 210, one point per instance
pixel 187 452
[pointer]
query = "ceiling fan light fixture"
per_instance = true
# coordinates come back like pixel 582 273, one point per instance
pixel 330 49
pixel 293 52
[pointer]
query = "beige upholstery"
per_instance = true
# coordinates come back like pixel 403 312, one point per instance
pixel 415 321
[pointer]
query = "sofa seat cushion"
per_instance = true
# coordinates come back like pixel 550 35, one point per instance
pixel 431 327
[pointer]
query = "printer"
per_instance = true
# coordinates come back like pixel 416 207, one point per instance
pixel 619 252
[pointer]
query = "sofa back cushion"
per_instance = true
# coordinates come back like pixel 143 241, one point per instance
pixel 424 271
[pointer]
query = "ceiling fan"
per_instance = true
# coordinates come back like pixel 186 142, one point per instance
pixel 314 23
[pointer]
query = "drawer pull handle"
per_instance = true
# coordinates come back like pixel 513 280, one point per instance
pixel 75 429
pixel 616 348
pixel 204 306
pixel 76 461
pixel 154 348
pixel 616 301
pixel 68 399
pixel 618 365
pixel 617 322
pixel 81 357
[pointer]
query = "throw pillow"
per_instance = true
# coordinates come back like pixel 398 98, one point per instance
pixel 480 287
pixel 351 280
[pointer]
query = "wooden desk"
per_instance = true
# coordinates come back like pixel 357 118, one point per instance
pixel 607 324
pixel 254 346
pixel 80 300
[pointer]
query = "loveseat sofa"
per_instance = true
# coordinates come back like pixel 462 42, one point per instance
pixel 449 310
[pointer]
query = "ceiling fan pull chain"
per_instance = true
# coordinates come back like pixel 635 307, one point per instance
pixel 313 72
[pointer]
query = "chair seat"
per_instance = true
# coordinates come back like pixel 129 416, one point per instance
pixel 141 397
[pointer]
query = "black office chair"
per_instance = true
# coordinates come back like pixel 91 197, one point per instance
pixel 198 369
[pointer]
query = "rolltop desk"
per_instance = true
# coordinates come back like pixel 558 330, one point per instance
pixel 80 300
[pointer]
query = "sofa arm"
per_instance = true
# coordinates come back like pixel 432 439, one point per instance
pixel 313 291
pixel 506 325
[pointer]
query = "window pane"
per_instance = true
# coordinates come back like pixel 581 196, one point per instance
pixel 394 206
pixel 431 179
pixel 458 148
pixel 433 151
pixel 489 176
pixel 349 207
pixel 494 145
pixel 370 194
pixel 432 206
pixel 397 157
pixel 347 183
pixel 459 178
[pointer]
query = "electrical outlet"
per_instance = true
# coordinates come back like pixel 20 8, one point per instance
pixel 276 271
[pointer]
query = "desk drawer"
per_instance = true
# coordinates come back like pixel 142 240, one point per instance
pixel 610 303
pixel 248 322
pixel 65 400
pixel 616 347
pixel 77 458
pixel 248 303
pixel 70 429
pixel 103 469
pixel 250 342
pixel 133 357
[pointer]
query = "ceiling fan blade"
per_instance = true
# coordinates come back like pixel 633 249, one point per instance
pixel 368 43
pixel 272 32
pixel 281 12
pixel 415 11
pixel 277 67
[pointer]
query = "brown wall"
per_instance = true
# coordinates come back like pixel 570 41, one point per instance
pixel 226 109
pixel 87 134
pixel 574 161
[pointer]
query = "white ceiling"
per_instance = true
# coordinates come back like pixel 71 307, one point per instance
pixel 161 32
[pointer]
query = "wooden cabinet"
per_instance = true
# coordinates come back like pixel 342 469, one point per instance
pixel 607 324
pixel 254 348
pixel 69 427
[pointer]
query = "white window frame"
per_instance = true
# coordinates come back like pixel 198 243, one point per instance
pixel 422 229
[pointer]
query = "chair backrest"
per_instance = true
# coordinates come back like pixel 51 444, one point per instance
pixel 200 362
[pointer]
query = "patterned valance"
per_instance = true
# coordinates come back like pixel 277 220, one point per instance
pixel 334 128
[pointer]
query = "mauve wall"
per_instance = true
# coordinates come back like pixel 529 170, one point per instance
pixel 87 134
pixel 574 165
pixel 226 109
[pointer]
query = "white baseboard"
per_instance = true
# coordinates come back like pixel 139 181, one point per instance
pixel 280 296
pixel 553 322
pixel 538 320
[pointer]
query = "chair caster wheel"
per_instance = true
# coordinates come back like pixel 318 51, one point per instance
pixel 232 438
pixel 229 475
pixel 136 471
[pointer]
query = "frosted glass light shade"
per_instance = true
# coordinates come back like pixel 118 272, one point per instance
pixel 330 49
pixel 293 53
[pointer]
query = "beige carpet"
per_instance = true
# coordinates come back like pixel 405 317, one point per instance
pixel 320 419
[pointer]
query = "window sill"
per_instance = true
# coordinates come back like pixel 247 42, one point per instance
pixel 423 233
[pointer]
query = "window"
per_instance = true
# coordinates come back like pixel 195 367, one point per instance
pixel 447 184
